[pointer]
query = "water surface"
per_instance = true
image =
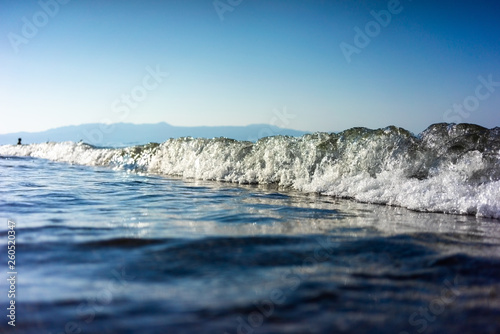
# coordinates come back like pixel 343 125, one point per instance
pixel 106 251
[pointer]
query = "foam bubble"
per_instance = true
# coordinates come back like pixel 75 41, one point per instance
pixel 448 168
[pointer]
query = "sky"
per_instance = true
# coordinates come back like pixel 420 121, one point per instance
pixel 311 65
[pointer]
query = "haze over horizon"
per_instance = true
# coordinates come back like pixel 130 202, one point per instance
pixel 311 66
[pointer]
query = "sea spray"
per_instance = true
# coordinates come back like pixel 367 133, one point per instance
pixel 450 168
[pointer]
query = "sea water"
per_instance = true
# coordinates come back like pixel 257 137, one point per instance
pixel 148 239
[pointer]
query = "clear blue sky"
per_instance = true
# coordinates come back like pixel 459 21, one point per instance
pixel 261 58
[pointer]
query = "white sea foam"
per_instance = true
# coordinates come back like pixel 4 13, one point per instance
pixel 447 168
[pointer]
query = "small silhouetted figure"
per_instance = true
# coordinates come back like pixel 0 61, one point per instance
pixel 19 141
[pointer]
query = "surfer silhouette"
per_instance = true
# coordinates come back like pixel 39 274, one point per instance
pixel 19 141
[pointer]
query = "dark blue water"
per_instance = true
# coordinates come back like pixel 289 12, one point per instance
pixel 104 251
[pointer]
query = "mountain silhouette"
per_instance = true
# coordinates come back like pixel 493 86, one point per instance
pixel 126 134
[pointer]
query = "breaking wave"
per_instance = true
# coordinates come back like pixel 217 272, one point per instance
pixel 450 168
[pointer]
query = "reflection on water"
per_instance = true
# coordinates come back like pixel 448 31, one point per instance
pixel 102 251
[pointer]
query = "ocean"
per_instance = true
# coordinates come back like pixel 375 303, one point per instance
pixel 364 231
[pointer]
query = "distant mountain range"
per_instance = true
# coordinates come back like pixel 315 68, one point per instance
pixel 126 134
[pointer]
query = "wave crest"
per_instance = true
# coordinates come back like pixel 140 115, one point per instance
pixel 451 168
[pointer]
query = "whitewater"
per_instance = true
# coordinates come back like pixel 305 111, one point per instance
pixel 144 239
pixel 448 168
